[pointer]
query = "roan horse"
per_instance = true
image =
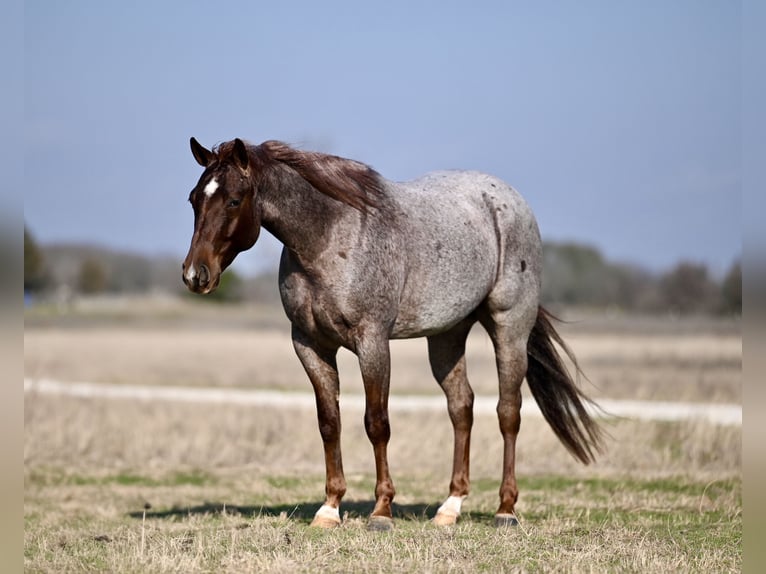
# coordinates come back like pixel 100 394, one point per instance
pixel 366 260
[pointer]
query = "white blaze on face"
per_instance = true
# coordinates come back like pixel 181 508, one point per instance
pixel 211 187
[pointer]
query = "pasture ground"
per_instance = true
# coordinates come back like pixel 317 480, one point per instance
pixel 135 486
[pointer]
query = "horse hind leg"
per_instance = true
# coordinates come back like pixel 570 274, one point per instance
pixel 446 354
pixel 509 332
pixel 511 365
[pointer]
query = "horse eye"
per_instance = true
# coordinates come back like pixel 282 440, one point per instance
pixel 233 203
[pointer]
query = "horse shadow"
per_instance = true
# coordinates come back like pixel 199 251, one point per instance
pixel 300 511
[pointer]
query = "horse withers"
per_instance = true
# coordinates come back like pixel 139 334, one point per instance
pixel 366 260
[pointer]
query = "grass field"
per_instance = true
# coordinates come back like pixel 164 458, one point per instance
pixel 130 486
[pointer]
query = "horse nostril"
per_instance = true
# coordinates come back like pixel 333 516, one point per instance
pixel 204 275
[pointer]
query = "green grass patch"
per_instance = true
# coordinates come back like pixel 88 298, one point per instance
pixel 55 477
pixel 286 482
pixel 216 523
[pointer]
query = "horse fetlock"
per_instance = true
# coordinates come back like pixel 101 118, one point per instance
pixel 335 490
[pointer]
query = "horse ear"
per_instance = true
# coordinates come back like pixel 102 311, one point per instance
pixel 241 157
pixel 203 156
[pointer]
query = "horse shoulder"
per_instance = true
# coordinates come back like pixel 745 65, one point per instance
pixel 337 296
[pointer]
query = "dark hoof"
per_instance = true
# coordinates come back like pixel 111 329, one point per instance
pixel 505 520
pixel 380 524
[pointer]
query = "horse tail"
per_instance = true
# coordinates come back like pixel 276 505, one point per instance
pixel 557 394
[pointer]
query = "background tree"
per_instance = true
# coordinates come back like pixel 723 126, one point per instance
pixel 92 278
pixel 687 289
pixel 230 289
pixel 35 273
pixel 576 274
pixel 636 288
pixel 731 290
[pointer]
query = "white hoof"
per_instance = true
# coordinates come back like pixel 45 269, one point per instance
pixel 445 519
pixel 326 517
pixel 449 512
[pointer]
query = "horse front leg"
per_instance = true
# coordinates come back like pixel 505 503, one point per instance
pixel 375 364
pixel 321 367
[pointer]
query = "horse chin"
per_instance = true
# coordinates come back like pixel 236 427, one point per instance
pixel 203 290
pixel 211 286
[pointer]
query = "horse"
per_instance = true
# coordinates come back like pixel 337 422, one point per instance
pixel 366 260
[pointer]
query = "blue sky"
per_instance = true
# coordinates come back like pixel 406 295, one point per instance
pixel 620 122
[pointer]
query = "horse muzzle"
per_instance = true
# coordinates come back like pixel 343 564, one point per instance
pixel 199 279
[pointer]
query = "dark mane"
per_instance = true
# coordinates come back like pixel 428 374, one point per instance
pixel 352 182
pixel 346 180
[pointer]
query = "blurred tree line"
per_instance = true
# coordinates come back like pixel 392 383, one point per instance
pixel 573 275
pixel 578 275
pixel 62 271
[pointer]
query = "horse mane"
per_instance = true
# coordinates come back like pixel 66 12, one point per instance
pixel 351 182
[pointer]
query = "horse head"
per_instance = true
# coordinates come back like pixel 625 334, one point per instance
pixel 227 218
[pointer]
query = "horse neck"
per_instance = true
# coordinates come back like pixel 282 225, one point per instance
pixel 298 215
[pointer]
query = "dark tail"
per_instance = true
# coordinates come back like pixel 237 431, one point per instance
pixel 560 399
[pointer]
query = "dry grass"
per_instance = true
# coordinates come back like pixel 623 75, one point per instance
pixel 232 489
pixel 235 542
pixel 115 436
pixel 219 346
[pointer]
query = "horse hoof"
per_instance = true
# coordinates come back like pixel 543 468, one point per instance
pixel 445 519
pixel 325 522
pixel 505 520
pixel 380 524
